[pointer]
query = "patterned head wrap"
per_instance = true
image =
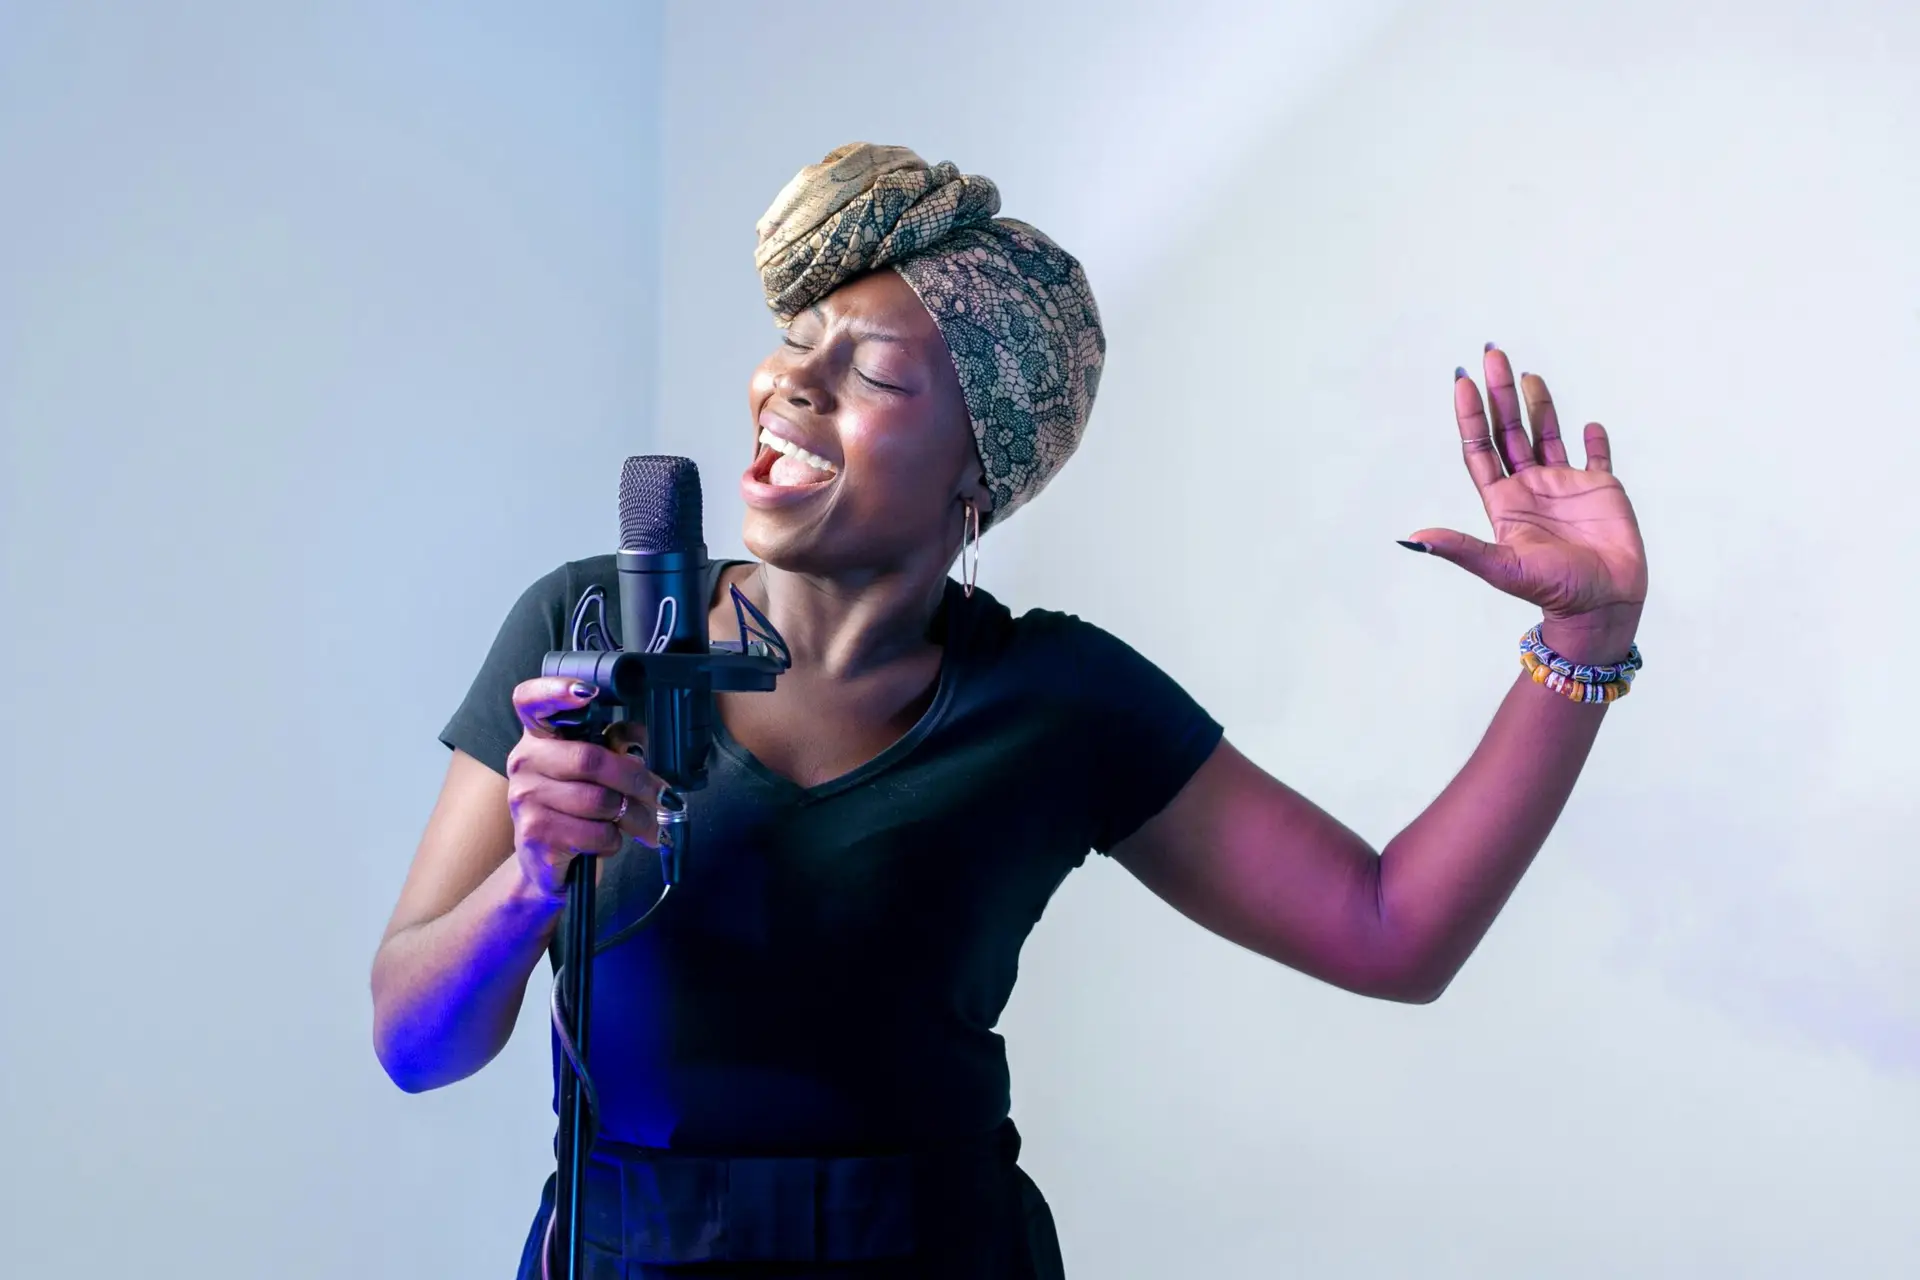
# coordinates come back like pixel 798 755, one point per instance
pixel 1013 306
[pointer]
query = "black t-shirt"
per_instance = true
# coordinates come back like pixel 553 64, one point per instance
pixel 828 974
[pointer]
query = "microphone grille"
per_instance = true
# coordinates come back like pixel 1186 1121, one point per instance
pixel 659 504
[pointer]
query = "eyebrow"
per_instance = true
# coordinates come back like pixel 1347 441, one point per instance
pixel 864 330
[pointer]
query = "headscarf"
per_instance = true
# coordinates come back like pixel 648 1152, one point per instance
pixel 1013 306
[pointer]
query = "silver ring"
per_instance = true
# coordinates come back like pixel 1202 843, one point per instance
pixel 624 802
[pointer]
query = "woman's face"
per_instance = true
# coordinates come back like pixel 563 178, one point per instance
pixel 864 384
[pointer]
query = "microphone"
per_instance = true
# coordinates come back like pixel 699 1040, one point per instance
pixel 667 670
pixel 662 564
pixel 662 558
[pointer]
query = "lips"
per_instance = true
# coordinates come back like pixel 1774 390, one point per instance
pixel 772 424
pixel 756 485
pixel 765 461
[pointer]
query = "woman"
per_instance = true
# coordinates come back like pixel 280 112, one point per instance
pixel 795 1062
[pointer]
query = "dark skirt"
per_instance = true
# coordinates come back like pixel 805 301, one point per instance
pixel 969 1213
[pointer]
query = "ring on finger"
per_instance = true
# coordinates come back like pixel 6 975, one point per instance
pixel 624 802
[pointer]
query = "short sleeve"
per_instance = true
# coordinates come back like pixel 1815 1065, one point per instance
pixel 1145 736
pixel 485 726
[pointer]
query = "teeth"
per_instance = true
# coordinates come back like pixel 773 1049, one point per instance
pixel 793 450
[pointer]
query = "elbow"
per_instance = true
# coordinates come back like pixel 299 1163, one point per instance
pixel 406 1081
pixel 401 1055
pixel 1428 984
pixel 1410 983
pixel 1392 983
pixel 1407 968
pixel 408 1062
pixel 401 1067
pixel 410 1072
pixel 1407 992
pixel 1419 992
pixel 418 1059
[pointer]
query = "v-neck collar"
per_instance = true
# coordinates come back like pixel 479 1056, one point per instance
pixel 954 606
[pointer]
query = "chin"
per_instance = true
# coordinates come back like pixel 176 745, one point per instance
pixel 779 547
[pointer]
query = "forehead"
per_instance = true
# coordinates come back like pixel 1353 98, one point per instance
pixel 882 301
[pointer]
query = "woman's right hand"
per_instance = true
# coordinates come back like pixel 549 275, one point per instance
pixel 565 796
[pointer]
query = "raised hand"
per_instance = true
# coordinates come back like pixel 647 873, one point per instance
pixel 1565 537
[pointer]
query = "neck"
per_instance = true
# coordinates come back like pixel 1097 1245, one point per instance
pixel 844 625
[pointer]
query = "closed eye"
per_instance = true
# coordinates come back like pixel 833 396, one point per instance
pixel 786 340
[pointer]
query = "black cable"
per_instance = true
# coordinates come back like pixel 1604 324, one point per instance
pixel 766 631
pixel 591 636
pixel 626 931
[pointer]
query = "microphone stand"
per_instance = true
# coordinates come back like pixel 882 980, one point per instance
pixel 675 692
pixel 575 1113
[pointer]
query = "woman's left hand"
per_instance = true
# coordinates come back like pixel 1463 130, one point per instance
pixel 1565 537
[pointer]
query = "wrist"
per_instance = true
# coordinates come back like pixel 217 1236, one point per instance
pixel 524 894
pixel 1599 638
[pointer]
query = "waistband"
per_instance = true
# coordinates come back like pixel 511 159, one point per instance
pixel 647 1205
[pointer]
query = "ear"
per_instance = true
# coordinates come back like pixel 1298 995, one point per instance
pixel 973 488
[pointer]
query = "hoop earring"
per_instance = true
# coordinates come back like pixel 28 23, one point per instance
pixel 970 566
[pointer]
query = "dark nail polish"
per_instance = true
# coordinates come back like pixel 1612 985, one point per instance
pixel 583 690
pixel 1490 346
pixel 1414 546
pixel 1459 373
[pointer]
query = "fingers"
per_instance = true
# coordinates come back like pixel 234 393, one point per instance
pixel 1509 428
pixel 1548 446
pixel 563 760
pixel 1599 449
pixel 1483 464
pixel 641 823
pixel 562 803
pixel 589 800
pixel 627 737
pixel 633 816
pixel 536 701
pixel 556 834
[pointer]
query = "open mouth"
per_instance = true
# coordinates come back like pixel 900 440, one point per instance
pixel 786 465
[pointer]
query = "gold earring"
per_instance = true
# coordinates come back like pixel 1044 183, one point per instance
pixel 971 567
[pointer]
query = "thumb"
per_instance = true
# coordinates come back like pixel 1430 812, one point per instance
pixel 1488 561
pixel 538 701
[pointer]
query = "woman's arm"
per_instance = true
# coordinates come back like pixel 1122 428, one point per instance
pixel 452 968
pixel 1254 861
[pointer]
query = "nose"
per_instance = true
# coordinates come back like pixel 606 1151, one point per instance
pixel 803 382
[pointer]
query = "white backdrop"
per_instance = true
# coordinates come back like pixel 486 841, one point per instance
pixel 386 299
pixel 324 328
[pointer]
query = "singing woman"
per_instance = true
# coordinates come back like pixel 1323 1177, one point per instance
pixel 796 1066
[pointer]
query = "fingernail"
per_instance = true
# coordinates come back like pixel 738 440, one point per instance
pixel 1490 346
pixel 583 690
pixel 1459 372
pixel 1414 546
pixel 637 751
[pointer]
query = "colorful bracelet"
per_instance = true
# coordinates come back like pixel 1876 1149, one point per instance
pixel 1578 681
pixel 1573 689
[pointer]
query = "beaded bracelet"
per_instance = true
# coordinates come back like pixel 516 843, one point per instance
pixel 1578 681
pixel 1546 677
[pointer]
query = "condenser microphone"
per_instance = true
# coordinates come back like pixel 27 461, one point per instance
pixel 662 558
pixel 662 565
